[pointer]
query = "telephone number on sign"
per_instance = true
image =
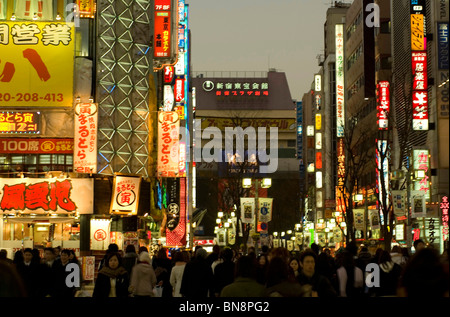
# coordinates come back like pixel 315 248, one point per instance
pixel 50 97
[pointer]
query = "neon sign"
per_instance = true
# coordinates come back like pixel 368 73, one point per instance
pixel 19 122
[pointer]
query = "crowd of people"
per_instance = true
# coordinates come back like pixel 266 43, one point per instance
pixel 225 272
pixel 30 275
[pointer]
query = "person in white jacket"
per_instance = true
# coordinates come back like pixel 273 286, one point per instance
pixel 349 286
pixel 143 278
pixel 176 275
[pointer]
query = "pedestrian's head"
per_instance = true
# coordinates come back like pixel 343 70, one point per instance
pixel 27 255
pixel 57 250
pixel 419 245
pixel 245 267
pixel 396 249
pixel 49 254
pixel 277 271
pixel 144 257
pixel 308 262
pixel 112 248
pixel 294 264
pixel 227 254
pixel 201 253
pixel 113 261
pixel 130 249
pixel 142 249
pixel 65 256
pixel 385 257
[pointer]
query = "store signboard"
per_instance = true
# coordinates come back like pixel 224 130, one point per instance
pixel 176 225
pixel 340 84
pixel 35 146
pixel 37 57
pixel 383 105
pixel 85 138
pixel 20 122
pixel 125 198
pixel 421 166
pixel 418 39
pixel 162 29
pixel 44 195
pixel 168 144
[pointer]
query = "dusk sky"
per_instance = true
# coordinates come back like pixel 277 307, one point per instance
pixel 255 35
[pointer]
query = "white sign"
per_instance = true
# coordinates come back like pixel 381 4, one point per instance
pixel 265 209
pixel 247 210
pixel 317 82
pixel 169 98
pixel 85 138
pixel 340 91
pixel 100 234
pixel 125 196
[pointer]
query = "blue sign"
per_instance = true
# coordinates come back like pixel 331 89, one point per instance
pixel 443 46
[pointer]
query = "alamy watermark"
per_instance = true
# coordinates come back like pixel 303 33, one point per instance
pixel 373 18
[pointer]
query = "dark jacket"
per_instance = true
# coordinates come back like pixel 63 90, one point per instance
pixel 319 283
pixel 30 277
pixel 197 278
pixel 223 275
pixel 103 283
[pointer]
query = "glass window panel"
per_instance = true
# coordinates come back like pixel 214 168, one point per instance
pixel 44 159
pixel 69 159
pixel 16 159
pixel 30 159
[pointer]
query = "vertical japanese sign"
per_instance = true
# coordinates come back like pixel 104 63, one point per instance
pixel 443 51
pixel 168 144
pixel 417 32
pixel 42 195
pixel 88 268
pixel 418 204
pixel 419 65
pixel 399 202
pixel 421 165
pixel 85 138
pixel 382 171
pixel 176 231
pixel 29 9
pixel 340 106
pixel 265 209
pixel 420 90
pixel 162 29
pixel 247 210
pixel 383 104
pixel 37 57
pixel 125 197
pixel 340 205
pixel 444 210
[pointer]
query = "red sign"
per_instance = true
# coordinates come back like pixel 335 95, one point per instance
pixel 36 146
pixel 162 34
pixel 419 68
pixel 179 90
pixel 383 104
pixel 100 235
pixel 36 196
pixel 168 74
pixel 177 236
pixel 444 208
pixel 162 5
pixel 318 160
pixel 19 122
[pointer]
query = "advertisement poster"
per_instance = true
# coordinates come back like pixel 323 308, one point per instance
pixel 374 219
pixel 265 209
pixel 359 219
pixel 36 58
pixel 168 144
pixel 247 210
pixel 125 196
pixel 176 212
pixel 399 202
pixel 418 205
pixel 85 138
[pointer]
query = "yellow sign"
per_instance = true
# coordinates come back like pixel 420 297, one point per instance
pixel 318 121
pixel 36 66
pixel 417 33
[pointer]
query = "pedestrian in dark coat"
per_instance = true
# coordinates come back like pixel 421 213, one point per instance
pixel 163 267
pixel 48 272
pixel 197 277
pixel 224 272
pixel 113 279
pixel 63 280
pixel 130 258
pixel 389 275
pixel 29 272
